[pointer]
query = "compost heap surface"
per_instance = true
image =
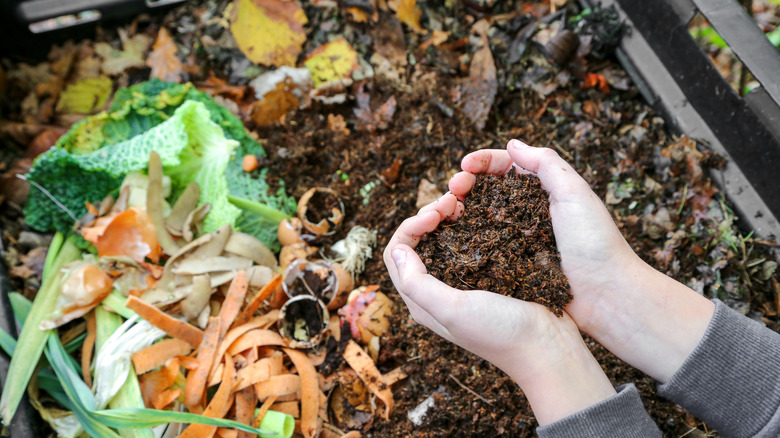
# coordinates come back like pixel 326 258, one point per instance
pixel 654 185
pixel 502 243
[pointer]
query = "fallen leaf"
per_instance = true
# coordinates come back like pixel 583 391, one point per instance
pixel 479 89
pixel 269 32
pixel 44 141
pixel 372 120
pixel 163 60
pixel 388 36
pixel 85 96
pixel 12 189
pixel 356 15
pixel 408 13
pixel 336 123
pixel 32 264
pixel 436 39
pixel 331 62
pixel 427 192
pixel 275 104
pixel 132 54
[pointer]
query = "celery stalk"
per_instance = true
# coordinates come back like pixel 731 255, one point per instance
pixel 129 396
pixel 32 340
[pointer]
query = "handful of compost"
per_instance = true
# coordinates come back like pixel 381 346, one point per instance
pixel 503 243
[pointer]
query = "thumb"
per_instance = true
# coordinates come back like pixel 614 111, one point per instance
pixel 556 175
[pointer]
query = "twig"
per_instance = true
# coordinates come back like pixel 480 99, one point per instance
pixel 470 390
pixel 763 242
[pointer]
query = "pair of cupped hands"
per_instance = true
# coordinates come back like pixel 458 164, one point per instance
pixel 545 354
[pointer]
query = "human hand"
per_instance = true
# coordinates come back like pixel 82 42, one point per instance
pixel 544 354
pixel 594 255
pixel 641 315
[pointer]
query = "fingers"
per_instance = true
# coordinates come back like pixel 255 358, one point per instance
pixel 446 206
pixel 437 299
pixel 492 161
pixel 556 175
pixel 461 184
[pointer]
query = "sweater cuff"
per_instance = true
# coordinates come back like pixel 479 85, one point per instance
pixel 621 415
pixel 732 378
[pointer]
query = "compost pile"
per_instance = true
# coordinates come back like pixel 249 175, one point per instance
pixel 377 102
pixel 502 243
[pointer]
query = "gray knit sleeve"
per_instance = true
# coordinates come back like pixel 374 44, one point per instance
pixel 621 415
pixel 732 379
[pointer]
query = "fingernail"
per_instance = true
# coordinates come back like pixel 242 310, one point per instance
pixel 399 257
pixel 517 144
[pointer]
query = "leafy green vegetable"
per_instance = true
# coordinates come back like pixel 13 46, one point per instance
pixel 90 160
pixel 32 339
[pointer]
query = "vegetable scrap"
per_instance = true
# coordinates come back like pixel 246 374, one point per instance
pixel 206 326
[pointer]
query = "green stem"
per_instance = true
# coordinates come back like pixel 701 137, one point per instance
pixel 32 340
pixel 258 208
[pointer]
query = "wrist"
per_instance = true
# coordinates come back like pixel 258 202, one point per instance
pixel 650 320
pixel 561 379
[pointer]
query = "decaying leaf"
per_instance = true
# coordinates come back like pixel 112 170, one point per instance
pixel 331 62
pixel 408 13
pixel 269 32
pixel 85 96
pixel 427 192
pixel 132 54
pixel 275 104
pixel 373 120
pixel 336 123
pixel 388 35
pixel 163 60
pixel 479 89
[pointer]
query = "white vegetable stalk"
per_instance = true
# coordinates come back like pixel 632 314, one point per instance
pixel 112 363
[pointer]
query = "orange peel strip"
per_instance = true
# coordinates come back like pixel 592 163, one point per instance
pixel 289 408
pixel 196 380
pixel 157 354
pixel 218 406
pixel 88 347
pixel 278 386
pixel 262 294
pixel 263 409
pixel 246 400
pixel 165 398
pixel 233 301
pixel 310 393
pixel 361 362
pixel 175 328
pixel 236 332
pixel 254 338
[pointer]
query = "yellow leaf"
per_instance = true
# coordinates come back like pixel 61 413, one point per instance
pixel 163 60
pixel 332 61
pixel 408 13
pixel 269 32
pixel 85 96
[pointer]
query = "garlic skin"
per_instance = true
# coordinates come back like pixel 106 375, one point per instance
pixel 353 251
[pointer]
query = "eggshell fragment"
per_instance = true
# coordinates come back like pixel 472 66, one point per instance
pixel 316 221
pixel 289 231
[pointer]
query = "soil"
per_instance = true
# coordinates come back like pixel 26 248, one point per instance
pixel 503 243
pixel 614 140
